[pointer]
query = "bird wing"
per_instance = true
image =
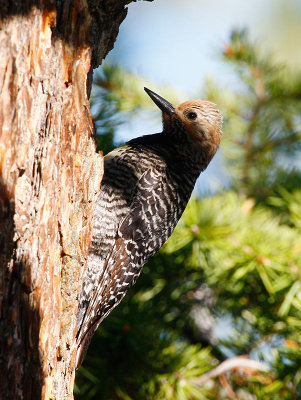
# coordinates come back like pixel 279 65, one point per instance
pixel 140 234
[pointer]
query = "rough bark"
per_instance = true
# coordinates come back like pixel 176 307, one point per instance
pixel 50 174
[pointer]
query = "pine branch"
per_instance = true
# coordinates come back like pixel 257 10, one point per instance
pixel 232 364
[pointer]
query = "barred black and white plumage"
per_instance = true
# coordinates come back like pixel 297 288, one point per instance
pixel 146 186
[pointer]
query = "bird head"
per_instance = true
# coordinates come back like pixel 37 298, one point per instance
pixel 198 122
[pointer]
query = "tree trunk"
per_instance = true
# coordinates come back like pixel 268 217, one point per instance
pixel 50 175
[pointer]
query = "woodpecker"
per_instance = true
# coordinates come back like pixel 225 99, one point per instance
pixel 146 185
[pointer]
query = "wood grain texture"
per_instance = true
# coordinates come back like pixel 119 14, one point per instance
pixel 50 175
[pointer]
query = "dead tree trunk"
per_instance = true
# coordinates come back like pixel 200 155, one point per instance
pixel 50 174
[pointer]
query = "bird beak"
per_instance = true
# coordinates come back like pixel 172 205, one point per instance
pixel 163 104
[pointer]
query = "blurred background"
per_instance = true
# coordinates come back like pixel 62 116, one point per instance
pixel 224 292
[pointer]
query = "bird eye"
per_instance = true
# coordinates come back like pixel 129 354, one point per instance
pixel 192 115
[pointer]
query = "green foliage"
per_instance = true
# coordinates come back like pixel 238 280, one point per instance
pixel 288 206
pixel 229 240
pixel 146 366
pixel 234 258
pixel 146 345
pixel 262 127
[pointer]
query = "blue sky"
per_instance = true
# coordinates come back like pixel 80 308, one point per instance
pixel 177 43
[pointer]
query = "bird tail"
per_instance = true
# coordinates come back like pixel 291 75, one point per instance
pixel 83 342
pixel 82 350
